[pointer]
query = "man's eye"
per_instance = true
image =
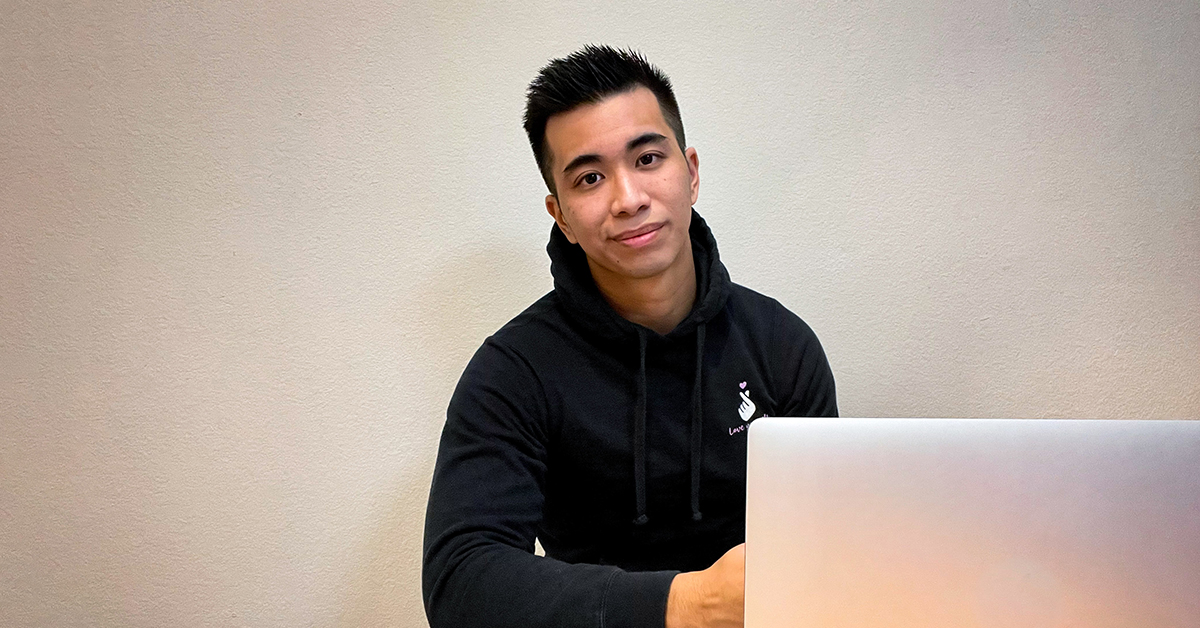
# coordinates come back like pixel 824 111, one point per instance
pixel 647 159
pixel 589 178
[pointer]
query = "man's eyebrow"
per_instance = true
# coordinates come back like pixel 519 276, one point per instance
pixel 581 160
pixel 643 139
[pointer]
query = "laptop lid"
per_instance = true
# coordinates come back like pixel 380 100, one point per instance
pixel 998 523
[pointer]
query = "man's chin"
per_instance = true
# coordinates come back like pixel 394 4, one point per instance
pixel 643 269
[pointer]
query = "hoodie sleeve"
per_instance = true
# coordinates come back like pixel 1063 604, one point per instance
pixel 485 505
pixel 806 380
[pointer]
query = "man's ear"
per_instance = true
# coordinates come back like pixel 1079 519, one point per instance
pixel 693 162
pixel 556 211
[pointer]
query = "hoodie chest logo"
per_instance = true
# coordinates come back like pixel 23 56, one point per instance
pixel 746 409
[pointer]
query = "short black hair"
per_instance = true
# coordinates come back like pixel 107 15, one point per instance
pixel 587 76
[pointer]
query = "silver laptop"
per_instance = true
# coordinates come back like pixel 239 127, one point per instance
pixel 967 523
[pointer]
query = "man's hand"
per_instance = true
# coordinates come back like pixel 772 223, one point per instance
pixel 713 598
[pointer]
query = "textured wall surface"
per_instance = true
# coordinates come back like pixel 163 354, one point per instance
pixel 247 248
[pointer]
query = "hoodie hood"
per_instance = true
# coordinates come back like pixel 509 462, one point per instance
pixel 583 301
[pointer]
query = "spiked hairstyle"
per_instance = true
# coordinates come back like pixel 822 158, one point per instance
pixel 587 76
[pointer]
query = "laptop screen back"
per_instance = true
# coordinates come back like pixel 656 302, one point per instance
pixel 973 523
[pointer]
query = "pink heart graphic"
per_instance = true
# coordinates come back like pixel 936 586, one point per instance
pixel 743 385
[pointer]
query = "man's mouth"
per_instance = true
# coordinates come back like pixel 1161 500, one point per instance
pixel 639 236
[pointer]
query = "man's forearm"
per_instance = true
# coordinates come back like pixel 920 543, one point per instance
pixel 500 586
pixel 712 598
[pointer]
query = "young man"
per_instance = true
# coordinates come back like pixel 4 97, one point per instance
pixel 608 419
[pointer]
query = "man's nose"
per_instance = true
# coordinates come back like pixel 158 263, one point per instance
pixel 628 195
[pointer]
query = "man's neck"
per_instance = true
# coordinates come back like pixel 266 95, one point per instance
pixel 660 302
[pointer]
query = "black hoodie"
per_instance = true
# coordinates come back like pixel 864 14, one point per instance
pixel 622 450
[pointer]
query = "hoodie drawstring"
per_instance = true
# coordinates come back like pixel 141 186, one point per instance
pixel 697 422
pixel 639 430
pixel 639 434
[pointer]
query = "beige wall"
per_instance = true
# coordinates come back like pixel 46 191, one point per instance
pixel 247 248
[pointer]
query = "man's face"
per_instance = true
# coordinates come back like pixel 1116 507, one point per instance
pixel 625 190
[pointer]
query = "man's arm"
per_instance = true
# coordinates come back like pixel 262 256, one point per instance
pixel 485 505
